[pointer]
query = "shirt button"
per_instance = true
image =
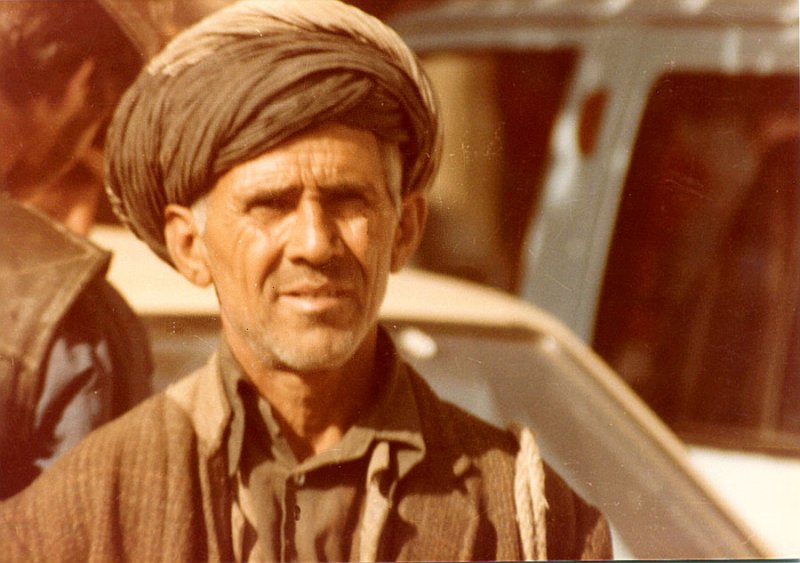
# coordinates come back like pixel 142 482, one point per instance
pixel 300 479
pixel 296 513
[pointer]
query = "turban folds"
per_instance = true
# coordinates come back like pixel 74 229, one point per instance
pixel 249 77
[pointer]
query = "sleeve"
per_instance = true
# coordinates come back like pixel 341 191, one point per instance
pixel 77 392
pixel 130 491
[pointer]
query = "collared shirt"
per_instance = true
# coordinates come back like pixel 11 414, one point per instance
pixel 312 510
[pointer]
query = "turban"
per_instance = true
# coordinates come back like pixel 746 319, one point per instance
pixel 245 79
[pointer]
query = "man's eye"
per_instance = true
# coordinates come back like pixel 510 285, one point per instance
pixel 354 199
pixel 276 203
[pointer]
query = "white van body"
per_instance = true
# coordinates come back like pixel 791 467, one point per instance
pixel 621 51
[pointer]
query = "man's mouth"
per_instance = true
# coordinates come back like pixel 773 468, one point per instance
pixel 314 298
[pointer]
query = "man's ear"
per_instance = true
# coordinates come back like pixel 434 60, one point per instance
pixel 413 213
pixel 185 244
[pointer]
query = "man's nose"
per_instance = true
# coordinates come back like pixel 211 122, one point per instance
pixel 314 237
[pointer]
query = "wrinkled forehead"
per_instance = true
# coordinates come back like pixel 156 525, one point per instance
pixel 328 159
pixel 327 155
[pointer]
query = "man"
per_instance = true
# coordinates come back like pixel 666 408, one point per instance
pixel 72 354
pixel 280 151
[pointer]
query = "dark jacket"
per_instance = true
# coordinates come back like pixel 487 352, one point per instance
pixel 49 275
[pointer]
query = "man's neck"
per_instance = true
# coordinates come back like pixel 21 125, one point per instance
pixel 315 409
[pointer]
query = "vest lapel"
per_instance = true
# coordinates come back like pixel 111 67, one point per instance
pixel 202 398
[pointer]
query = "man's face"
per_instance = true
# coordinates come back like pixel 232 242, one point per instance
pixel 299 243
pixel 43 139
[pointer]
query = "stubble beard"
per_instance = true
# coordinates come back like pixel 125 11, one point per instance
pixel 322 345
pixel 319 352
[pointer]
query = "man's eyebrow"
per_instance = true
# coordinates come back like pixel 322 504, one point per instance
pixel 268 192
pixel 349 186
pixel 266 195
pixel 257 187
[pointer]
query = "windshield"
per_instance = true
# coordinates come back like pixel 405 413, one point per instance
pixel 699 308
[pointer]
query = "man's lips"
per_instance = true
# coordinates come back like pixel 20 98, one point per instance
pixel 316 290
pixel 316 297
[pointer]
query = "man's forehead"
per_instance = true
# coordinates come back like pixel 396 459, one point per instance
pixel 328 156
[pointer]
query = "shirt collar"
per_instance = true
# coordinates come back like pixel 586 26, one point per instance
pixel 393 418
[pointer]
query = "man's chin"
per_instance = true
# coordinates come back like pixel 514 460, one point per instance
pixel 299 363
pixel 316 354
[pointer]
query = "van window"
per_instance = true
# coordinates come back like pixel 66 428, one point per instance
pixel 700 304
pixel 498 109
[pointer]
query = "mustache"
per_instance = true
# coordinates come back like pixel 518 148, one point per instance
pixel 339 273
